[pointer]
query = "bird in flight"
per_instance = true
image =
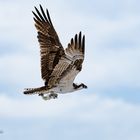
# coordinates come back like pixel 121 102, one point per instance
pixel 59 66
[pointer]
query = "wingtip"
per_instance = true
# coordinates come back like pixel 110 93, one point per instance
pixel 34 14
pixel 80 39
pixel 75 36
pixel 72 41
pixel 49 18
pixel 40 5
pixel 83 44
pixel 48 14
pixel 35 8
pixel 84 36
pixel 75 40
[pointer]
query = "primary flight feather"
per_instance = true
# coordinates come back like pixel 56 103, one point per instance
pixel 59 67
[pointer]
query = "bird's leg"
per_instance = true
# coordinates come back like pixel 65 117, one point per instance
pixel 45 97
pixel 53 95
pixel 40 94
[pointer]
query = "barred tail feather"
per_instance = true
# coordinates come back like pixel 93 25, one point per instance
pixel 34 90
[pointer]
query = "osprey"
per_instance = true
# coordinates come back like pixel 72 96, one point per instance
pixel 59 67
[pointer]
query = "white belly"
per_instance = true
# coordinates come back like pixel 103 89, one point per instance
pixel 62 89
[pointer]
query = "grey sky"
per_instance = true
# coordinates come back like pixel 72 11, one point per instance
pixel 109 108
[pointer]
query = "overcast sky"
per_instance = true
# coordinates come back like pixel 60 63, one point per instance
pixel 109 109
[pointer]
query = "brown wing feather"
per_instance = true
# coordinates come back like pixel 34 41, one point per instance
pixel 71 62
pixel 59 70
pixel 51 49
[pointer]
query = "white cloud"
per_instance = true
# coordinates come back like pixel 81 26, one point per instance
pixel 110 69
pixel 34 107
pixel 15 67
pixel 111 118
pixel 84 107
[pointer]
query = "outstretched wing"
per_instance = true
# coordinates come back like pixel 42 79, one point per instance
pixel 51 49
pixel 70 64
